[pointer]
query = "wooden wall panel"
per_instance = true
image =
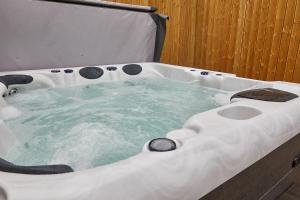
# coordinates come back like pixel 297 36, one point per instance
pixel 257 39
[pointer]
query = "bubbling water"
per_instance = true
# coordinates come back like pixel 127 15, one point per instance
pixel 89 126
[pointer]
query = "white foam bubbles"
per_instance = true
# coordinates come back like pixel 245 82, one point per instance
pixel 9 112
pixel 89 126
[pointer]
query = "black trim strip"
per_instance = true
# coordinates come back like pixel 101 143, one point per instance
pixel 112 5
pixel 161 30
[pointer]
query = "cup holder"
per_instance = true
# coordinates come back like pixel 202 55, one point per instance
pixel 239 112
pixel 161 145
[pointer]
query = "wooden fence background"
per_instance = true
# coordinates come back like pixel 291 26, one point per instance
pixel 252 38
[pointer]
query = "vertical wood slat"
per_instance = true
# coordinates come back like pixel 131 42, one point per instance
pixel 279 24
pixel 211 24
pixel 257 39
pixel 271 21
pixel 202 56
pixel 240 33
pixel 285 40
pixel 199 30
pixel 246 36
pixel 223 17
pixel 234 21
pixel 295 71
pixel 261 39
pixel 253 35
pixel 186 35
pixel 294 46
pixel 226 27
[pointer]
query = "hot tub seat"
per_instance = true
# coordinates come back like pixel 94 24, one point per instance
pixel 6 166
pixel 249 144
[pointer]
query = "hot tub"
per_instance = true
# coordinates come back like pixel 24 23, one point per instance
pixel 142 131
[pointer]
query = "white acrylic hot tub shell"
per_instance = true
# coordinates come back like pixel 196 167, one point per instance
pixel 213 147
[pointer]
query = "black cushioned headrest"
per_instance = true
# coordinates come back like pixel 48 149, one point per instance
pixel 132 69
pixel 266 94
pixel 91 72
pixel 6 166
pixel 12 79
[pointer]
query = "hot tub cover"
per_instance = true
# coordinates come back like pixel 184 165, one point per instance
pixel 68 33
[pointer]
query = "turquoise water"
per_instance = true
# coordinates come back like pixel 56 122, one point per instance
pixel 88 126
